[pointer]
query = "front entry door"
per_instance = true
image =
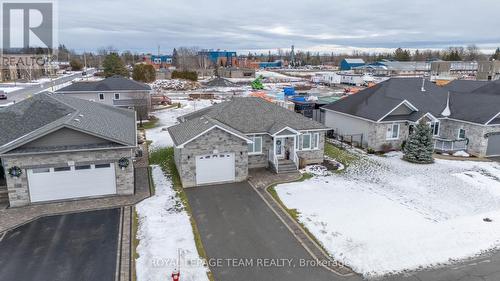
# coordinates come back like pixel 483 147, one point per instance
pixel 280 148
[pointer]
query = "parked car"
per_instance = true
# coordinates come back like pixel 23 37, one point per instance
pixel 3 95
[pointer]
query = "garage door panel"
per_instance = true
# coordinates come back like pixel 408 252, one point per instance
pixel 215 168
pixel 493 146
pixel 58 185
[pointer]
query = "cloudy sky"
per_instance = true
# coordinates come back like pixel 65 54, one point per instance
pixel 316 25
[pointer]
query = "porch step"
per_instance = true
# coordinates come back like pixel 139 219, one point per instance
pixel 286 166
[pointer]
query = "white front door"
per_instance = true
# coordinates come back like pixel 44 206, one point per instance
pixel 280 147
pixel 215 168
pixel 58 183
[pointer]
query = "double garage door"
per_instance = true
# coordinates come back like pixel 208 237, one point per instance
pixel 58 183
pixel 215 168
pixel 493 146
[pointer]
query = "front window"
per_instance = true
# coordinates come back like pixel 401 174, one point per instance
pixel 461 133
pixel 315 142
pixel 392 132
pixel 117 96
pixel 306 141
pixel 435 128
pixel 256 146
pixel 101 96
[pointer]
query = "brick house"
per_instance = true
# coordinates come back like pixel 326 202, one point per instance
pixel 220 143
pixel 55 147
pixel 464 115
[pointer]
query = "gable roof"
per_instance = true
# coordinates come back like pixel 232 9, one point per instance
pixel 464 85
pixel 113 83
pixel 248 115
pixel 376 102
pixel 472 102
pixel 44 113
pixel 354 61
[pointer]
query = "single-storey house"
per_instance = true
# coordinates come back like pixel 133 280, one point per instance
pixel 116 91
pixel 386 113
pixel 220 143
pixel 56 147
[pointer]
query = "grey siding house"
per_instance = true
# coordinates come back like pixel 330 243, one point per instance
pixel 220 143
pixel 463 115
pixel 116 91
pixel 55 147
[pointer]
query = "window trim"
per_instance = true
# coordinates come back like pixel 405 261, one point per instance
pixel 302 142
pixel 392 130
pixel 254 152
pixel 433 124
pixel 458 136
pixel 101 95
pixel 114 96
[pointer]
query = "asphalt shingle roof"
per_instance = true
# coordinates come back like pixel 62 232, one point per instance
pixel 44 112
pixel 375 102
pixel 113 83
pixel 244 116
pixel 471 101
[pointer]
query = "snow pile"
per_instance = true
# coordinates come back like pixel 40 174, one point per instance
pixel 273 77
pixel 174 84
pixel 384 215
pixel 168 117
pixel 461 154
pixel 165 233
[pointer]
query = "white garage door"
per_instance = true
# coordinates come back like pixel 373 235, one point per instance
pixel 57 183
pixel 493 146
pixel 215 168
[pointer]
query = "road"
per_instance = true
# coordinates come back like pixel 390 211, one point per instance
pixel 19 95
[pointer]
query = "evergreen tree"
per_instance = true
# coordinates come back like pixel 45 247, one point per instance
pixel 419 146
pixel 496 55
pixel 175 58
pixel 113 65
pixel 402 55
pixel 144 73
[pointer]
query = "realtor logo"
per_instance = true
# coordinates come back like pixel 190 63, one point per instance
pixel 28 25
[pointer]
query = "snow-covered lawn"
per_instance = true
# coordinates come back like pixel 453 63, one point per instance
pixel 8 89
pixel 384 215
pixel 165 232
pixel 168 117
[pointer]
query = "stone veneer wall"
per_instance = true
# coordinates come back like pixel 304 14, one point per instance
pixel 378 136
pixel 19 189
pixel 218 140
pixel 313 156
pixel 261 160
pixel 478 143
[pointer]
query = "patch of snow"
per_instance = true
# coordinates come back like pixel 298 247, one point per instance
pixel 461 154
pixel 168 117
pixel 384 215
pixel 165 234
pixel 174 84
pixel 317 170
pixel 8 89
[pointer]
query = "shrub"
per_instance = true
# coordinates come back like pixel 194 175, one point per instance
pixel 386 147
pixel 188 75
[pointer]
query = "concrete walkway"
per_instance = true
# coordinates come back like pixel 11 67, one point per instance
pixel 261 179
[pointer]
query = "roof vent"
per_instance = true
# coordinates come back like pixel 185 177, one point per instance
pixel 76 120
pixel 447 111
pixel 80 115
pixel 423 85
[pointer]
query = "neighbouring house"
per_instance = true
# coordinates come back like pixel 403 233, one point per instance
pixel 348 64
pixel 385 114
pixel 116 91
pixel 56 147
pixel 220 143
pixel 488 70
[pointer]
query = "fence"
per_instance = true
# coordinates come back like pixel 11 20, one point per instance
pixel 355 140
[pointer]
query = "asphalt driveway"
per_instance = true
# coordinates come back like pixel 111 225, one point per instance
pixel 75 247
pixel 245 240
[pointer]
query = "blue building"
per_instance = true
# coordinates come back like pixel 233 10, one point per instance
pixel 221 58
pixel 348 64
pixel 163 59
pixel 274 64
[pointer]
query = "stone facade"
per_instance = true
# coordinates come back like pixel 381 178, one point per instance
pixel 19 187
pixel 261 160
pixel 478 142
pixel 378 137
pixel 314 156
pixel 214 141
